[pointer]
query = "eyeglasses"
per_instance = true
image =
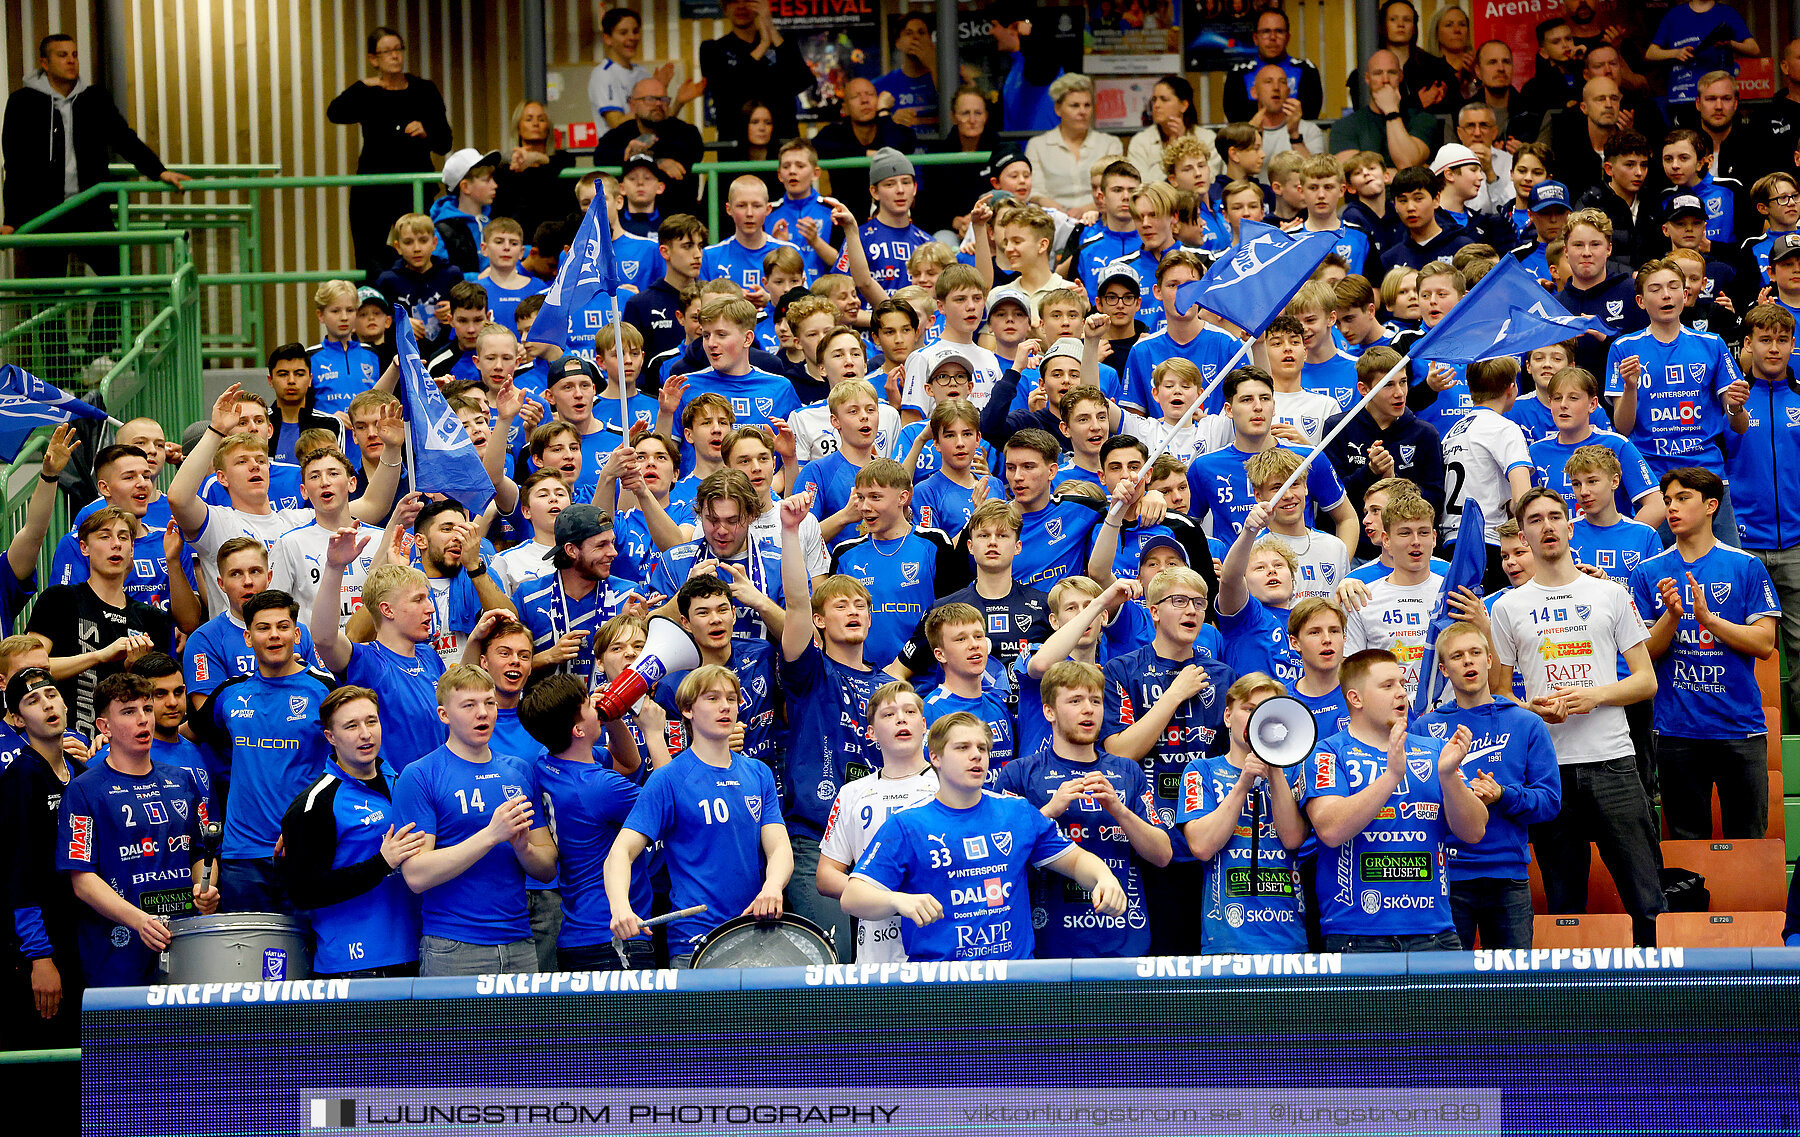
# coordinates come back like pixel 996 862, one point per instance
pixel 649 98
pixel 953 376
pixel 1117 299
pixel 1788 199
pixel 1181 601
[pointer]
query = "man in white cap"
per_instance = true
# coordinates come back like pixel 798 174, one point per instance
pixel 1464 181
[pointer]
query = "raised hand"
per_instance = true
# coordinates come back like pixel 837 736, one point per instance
pixel 1671 597
pixel 224 409
pixel 794 510
pixel 59 450
pixel 344 546
pixel 1450 759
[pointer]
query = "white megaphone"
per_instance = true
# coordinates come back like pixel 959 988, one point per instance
pixel 667 647
pixel 1282 731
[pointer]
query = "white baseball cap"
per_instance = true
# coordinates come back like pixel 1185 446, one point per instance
pixel 460 162
pixel 1453 154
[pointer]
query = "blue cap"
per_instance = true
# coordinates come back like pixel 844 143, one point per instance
pixel 1163 540
pixel 1548 195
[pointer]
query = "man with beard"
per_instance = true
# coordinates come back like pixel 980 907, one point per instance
pixel 563 608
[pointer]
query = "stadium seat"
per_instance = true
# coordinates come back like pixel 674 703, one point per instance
pixel 1602 893
pixel 1772 719
pixel 1719 929
pixel 1777 814
pixel 1742 876
pixel 1611 929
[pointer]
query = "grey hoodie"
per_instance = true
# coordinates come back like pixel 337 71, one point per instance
pixel 59 106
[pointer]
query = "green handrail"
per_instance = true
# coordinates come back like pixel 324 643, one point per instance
pixel 39 1057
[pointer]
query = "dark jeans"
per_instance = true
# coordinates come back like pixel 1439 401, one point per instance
pixel 546 924
pixel 1690 767
pixel 1309 891
pixel 1442 941
pixel 1172 898
pixel 1603 803
pixel 1499 908
pixel 391 971
pixel 802 898
pixel 253 885
pixel 601 957
pixel 1640 719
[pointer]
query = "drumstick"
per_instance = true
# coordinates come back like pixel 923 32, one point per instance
pixel 618 942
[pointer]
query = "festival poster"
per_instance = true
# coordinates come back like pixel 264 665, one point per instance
pixel 1132 37
pixel 1219 33
pixel 840 41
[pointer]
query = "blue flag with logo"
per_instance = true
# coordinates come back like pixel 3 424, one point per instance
pixel 27 402
pixel 1507 313
pixel 587 271
pixel 441 457
pixel 1254 279
pixel 1468 564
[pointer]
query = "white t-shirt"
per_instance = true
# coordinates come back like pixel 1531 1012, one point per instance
pixel 912 392
pixel 609 89
pixel 1199 436
pixel 812 542
pixel 1571 635
pixel 1397 618
pixel 1479 452
pixel 297 560
pixel 860 809
pixel 1323 562
pixel 814 436
pixel 525 561
pixel 1307 411
pixel 447 640
pixel 221 525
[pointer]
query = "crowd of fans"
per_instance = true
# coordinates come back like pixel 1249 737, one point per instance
pixel 976 606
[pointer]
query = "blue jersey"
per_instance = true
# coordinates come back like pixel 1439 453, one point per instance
pixel 1614 549
pixel 1100 246
pixel 1134 682
pixel 376 927
pixel 940 503
pixel 1131 629
pixel 760 561
pixel 138 833
pixel 1452 403
pixel 709 819
pixel 828 733
pixel 1015 622
pixel 453 799
pixel 1210 351
pixel 930 460
pixel 753 662
pixel 1537 423
pixel 1679 419
pixel 1390 879
pixel 1764 464
pixel 219 650
pixel 1067 471
pixel 1352 244
pixel 408 690
pixel 148 577
pixel 1635 481
pixel 585 804
pixel 549 613
pixel 1704 32
pixel 178 752
pixel 639 259
pixel 277 750
pixel 732 260
pixel 340 372
pixel 637 552
pixel 643 409
pixel 904 575
pixel 973 861
pixel 990 708
pixel 1256 639
pixel 887 249
pixel 1511 745
pixel 791 210
pixel 1063 911
pixel 1248 906
pixel 1329 710
pixel 756 397
pixel 284 489
pixel 832 479
pixel 503 303
pixel 1218 485
pixel 1336 378
pixel 1055 541
pixel 1700 682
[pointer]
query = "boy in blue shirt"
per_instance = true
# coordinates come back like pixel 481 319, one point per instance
pixel 739 257
pixel 460 213
pixel 1574 398
pixel 889 238
pixel 1695 38
pixel 798 172
pixel 717 814
pixel 727 327
pixel 1385 805
pixel 1609 542
pixel 1251 904
pixel 1102 803
pixel 502 244
pixel 1511 767
pixel 1711 610
pixel 474 808
pixel 342 368
pixel 959 642
pixel 961 859
pixel 906 567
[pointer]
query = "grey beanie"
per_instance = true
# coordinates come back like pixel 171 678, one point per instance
pixel 886 163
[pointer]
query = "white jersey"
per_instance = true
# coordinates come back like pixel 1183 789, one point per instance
pixel 1323 562
pixel 448 641
pixel 609 89
pixel 525 561
pixel 1397 618
pixel 920 364
pixel 297 560
pixel 1306 411
pixel 1199 436
pixel 815 437
pixel 861 807
pixel 221 525
pixel 812 542
pixel 1480 451
pixel 1571 635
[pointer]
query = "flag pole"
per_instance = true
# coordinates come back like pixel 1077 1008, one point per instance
pixel 1343 422
pixel 619 354
pixel 1187 416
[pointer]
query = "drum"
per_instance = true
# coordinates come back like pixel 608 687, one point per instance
pixel 242 947
pixel 752 941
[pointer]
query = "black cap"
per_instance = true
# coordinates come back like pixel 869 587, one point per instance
pixel 1786 246
pixel 24 683
pixel 1683 205
pixel 787 298
pixel 574 525
pixel 642 162
pixel 574 365
pixel 1002 158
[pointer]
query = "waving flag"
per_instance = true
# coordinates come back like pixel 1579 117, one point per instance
pixel 1506 313
pixel 27 402
pixel 439 455
pixel 588 271
pixel 1255 279
pixel 1468 564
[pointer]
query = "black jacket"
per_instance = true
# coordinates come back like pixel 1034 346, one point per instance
pixel 33 137
pixel 383 116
